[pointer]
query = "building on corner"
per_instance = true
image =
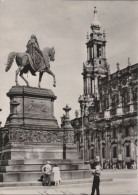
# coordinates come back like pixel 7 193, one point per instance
pixel 106 129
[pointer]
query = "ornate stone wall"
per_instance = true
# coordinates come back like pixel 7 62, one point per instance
pixel 21 136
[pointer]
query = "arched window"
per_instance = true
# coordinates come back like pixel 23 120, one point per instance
pixel 103 152
pixel 125 96
pixel 106 101
pixel 114 133
pixel 114 152
pixel 92 153
pixel 135 94
pixel 91 136
pixel 127 150
pixel 115 100
pixel 126 132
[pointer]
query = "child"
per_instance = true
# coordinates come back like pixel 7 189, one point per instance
pixel 56 172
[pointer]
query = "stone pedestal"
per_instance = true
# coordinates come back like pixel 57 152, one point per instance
pixel 31 136
pixel 31 107
pixel 31 130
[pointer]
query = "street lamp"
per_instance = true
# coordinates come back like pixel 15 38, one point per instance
pixel 82 105
pixel 83 157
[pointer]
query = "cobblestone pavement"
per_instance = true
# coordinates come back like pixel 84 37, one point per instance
pixel 116 187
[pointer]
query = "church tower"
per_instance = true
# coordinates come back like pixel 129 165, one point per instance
pixel 96 64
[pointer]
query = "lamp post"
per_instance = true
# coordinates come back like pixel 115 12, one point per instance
pixel 99 140
pixel 82 105
pixel 108 127
pixel 83 144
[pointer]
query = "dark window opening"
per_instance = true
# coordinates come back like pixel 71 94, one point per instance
pixel 103 152
pixel 102 135
pixel 127 132
pixel 91 137
pixel 114 133
pixel 128 151
pixel 92 153
pixel 114 152
pixel 99 51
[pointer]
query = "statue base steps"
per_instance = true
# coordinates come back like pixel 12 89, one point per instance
pixel 30 170
pixel 62 183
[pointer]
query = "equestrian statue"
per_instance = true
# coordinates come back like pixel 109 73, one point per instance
pixel 33 60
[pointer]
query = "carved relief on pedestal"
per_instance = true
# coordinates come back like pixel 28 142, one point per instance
pixel 5 138
pixel 20 136
pixel 37 107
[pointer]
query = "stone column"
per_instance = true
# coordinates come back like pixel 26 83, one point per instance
pixel 132 149
pixel 95 51
pixel 89 84
pixel 85 86
pixel 96 86
pixel 69 147
pixel 104 53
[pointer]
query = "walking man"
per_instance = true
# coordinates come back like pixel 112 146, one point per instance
pixel 47 169
pixel 96 179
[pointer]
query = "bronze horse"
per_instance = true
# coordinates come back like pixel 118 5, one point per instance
pixel 25 64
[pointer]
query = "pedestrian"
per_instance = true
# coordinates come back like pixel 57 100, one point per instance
pixel 96 179
pixel 47 169
pixel 56 172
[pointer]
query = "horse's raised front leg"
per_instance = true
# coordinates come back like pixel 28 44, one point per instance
pixel 54 78
pixel 40 78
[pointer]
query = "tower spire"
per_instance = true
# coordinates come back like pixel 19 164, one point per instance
pixel 96 24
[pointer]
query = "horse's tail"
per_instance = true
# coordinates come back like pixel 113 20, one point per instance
pixel 10 59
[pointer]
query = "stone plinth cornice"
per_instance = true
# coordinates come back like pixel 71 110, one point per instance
pixel 31 91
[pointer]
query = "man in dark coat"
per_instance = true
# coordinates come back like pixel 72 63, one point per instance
pixel 96 179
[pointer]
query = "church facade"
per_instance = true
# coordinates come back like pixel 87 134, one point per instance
pixel 106 131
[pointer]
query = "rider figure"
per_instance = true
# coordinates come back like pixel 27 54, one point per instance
pixel 34 51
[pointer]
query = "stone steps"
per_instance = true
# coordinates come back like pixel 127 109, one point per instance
pixel 23 168
pixel 40 161
pixel 34 176
pixel 29 170
pixel 63 182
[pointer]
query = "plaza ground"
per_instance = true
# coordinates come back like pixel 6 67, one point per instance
pixel 125 185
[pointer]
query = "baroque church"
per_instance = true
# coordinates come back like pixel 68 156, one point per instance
pixel 106 130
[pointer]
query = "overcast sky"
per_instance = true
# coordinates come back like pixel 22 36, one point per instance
pixel 64 25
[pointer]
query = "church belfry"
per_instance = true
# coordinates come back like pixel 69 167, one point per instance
pixel 96 65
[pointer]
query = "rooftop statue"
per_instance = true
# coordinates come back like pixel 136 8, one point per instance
pixel 33 60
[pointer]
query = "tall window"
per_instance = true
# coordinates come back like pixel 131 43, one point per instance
pixel 91 52
pixel 115 100
pixel 91 136
pixel 88 53
pixel 115 152
pixel 135 94
pixel 102 135
pixel 125 97
pixel 127 151
pixel 106 101
pixel 103 152
pixel 92 153
pixel 99 51
pixel 127 132
pixel 114 133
